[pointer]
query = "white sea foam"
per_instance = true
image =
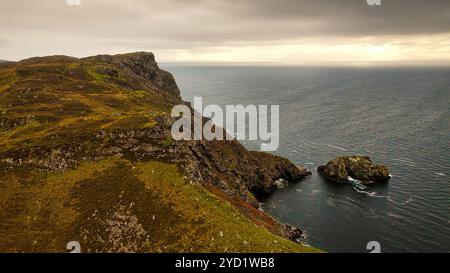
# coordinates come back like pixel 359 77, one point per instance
pixel 375 195
pixel 359 191
pixel 400 203
pixel 281 183
pixel 393 215
pixel 336 147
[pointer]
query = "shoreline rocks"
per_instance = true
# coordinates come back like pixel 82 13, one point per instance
pixel 356 167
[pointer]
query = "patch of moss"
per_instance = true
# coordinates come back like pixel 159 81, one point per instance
pixel 167 142
pixel 99 77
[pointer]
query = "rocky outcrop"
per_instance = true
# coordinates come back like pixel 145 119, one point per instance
pixel 140 69
pixel 248 174
pixel 356 167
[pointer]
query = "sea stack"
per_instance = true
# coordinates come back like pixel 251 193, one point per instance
pixel 359 168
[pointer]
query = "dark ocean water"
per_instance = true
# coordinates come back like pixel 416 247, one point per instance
pixel 398 116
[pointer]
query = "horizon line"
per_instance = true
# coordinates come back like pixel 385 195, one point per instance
pixel 298 62
pixel 443 63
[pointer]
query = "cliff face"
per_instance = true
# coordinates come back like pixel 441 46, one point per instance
pixel 86 152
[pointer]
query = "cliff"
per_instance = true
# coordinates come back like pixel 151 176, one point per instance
pixel 86 155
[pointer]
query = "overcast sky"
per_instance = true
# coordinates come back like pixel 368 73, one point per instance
pixel 290 31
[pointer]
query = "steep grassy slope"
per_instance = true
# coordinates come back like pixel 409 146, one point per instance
pixel 86 155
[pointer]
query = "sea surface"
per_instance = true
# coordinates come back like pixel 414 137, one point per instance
pixel 398 116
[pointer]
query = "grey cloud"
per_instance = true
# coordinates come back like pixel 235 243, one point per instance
pixel 339 18
pixel 192 23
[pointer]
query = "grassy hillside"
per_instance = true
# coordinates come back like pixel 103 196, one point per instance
pixel 86 155
pixel 115 205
